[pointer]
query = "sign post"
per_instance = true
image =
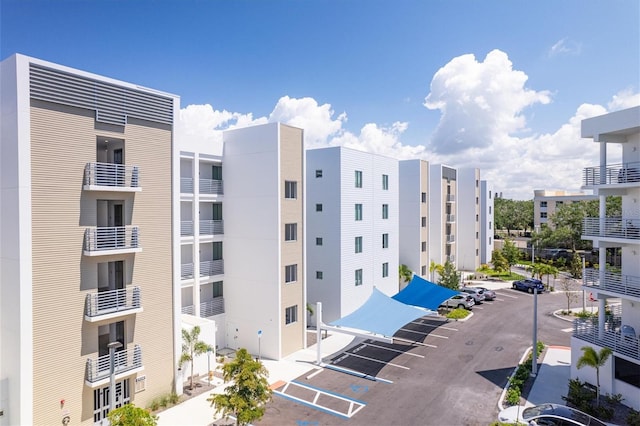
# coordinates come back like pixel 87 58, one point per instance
pixel 259 349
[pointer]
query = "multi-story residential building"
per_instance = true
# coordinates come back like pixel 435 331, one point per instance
pixel 546 202
pixel 352 228
pixel 86 254
pixel 469 219
pixel 617 292
pixel 443 196
pixel 486 221
pixel 413 194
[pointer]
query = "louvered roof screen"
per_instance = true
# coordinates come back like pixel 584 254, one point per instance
pixel 112 103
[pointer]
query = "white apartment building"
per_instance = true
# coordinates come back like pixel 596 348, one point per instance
pixel 469 219
pixel 413 194
pixel 87 258
pixel 352 228
pixel 616 291
pixel 487 195
pixel 546 202
pixel 443 197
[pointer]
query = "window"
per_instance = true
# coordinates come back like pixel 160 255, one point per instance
pixel 559 203
pixel 424 197
pixel 489 209
pixel 358 277
pixel 358 211
pixel 358 244
pixel 477 200
pixel 543 204
pixel 318 241
pixel 489 224
pixel 385 240
pixel 319 173
pixel 216 172
pixel 291 273
pixel 423 270
pixel 424 221
pixel 385 211
pixel 489 194
pixel 543 215
pixel 477 218
pixel 290 189
pixel 423 246
pixel 626 371
pixel 318 207
pixel 318 275
pixel 477 235
pixel 477 183
pixel 291 314
pixel 385 182
pixel 290 231
pixel 358 179
pixel 385 269
pixel 477 252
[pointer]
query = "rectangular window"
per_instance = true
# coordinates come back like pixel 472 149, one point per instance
pixel 543 215
pixel 318 275
pixel 291 273
pixel 319 173
pixel 423 270
pixel 385 269
pixel 385 182
pixel 318 241
pixel 424 221
pixel 318 207
pixel 291 314
pixel 543 204
pixel 477 218
pixel 489 225
pixel 385 211
pixel 477 200
pixel 216 172
pixel 358 244
pixel 290 189
pixel 559 203
pixel 423 246
pixel 290 231
pixel 358 179
pixel 358 211
pixel 358 277
pixel 424 197
pixel 385 240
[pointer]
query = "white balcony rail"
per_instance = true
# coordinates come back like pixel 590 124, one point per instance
pixel 210 186
pixel 587 330
pixel 186 228
pixel 113 175
pixel 186 271
pixel 624 285
pixel 98 368
pixel 190 310
pixel 211 227
pixel 612 227
pixel 186 185
pixel 99 238
pixel 211 267
pixel 611 174
pixel 106 302
pixel 451 238
pixel 451 218
pixel 451 198
pixel 212 307
pixel 451 258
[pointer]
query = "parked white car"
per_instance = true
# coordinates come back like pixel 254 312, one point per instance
pixel 460 300
pixel 547 414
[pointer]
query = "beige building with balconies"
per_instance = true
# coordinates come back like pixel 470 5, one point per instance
pixel 546 202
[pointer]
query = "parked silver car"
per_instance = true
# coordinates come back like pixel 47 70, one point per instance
pixel 488 294
pixel 460 300
pixel 475 292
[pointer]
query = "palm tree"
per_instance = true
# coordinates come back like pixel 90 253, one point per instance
pixel 591 358
pixel 405 273
pixel 191 347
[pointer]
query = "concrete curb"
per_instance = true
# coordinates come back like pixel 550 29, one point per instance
pixel 506 388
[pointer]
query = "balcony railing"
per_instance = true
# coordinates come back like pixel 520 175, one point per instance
pixel 125 360
pixel 612 227
pixel 211 267
pixel 190 310
pixel 451 218
pixel 451 239
pixel 611 174
pixel 451 258
pixel 111 175
pixel 109 302
pixel 451 198
pixel 186 228
pixel 211 227
pixel 610 337
pixel 210 186
pixel 186 271
pixel 186 185
pixel 624 285
pixel 107 238
pixel 207 309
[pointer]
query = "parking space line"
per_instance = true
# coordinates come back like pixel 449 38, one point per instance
pixel 357 373
pixel 395 350
pixel 424 334
pixel 414 342
pixel 377 360
pixel 509 295
pixel 444 327
pixel 354 404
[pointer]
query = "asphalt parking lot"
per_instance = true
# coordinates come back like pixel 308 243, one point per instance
pixel 436 373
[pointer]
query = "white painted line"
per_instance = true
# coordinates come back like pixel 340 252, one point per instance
pixel 377 360
pixel 315 373
pixel 508 295
pixel 424 334
pixel 567 330
pixel 414 343
pixel 395 350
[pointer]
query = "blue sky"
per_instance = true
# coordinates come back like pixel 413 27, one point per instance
pixel 499 85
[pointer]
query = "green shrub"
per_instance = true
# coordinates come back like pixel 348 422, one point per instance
pixel 458 313
pixel 602 412
pixel 633 419
pixel 173 398
pixel 585 314
pixel 513 396
pixel 154 405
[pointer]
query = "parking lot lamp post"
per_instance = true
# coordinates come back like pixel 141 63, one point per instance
pixel 534 353
pixel 112 376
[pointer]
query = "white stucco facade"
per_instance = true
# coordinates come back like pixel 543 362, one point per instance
pixel 414 215
pixel 469 219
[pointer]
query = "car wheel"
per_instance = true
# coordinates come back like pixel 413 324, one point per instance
pixel 530 290
pixel 514 286
pixel 461 306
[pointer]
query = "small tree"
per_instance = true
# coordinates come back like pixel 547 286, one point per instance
pixel 565 287
pixel 435 268
pixel 130 415
pixel 449 277
pixel 249 391
pixel 191 347
pixel 591 358
pixel 575 267
pixel 405 273
pixel 510 253
pixel 499 262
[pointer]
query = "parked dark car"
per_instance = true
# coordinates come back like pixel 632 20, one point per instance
pixel 555 254
pixel 528 284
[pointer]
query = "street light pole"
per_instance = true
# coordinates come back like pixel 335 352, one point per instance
pixel 534 354
pixel 112 376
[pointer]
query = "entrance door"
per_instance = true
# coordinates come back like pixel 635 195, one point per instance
pixel 116 219
pixel 232 336
pixel 118 162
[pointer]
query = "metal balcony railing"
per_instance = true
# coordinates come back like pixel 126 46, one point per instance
pixel 451 198
pixel 186 185
pixel 610 337
pixel 211 227
pixel 190 310
pixel 186 271
pixel 98 368
pixel 211 267
pixel 210 186
pixel 212 307
pixel 101 238
pixel 451 258
pixel 111 175
pixel 611 174
pixel 451 238
pixel 624 285
pixel 186 228
pixel 107 302
pixel 451 218
pixel 612 227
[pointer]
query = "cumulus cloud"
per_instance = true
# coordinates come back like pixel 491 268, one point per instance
pixel 565 47
pixel 479 102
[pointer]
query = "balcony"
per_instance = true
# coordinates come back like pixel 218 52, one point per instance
pixel 211 227
pixel 111 177
pixel 451 218
pixel 451 239
pixel 186 271
pixel 613 174
pixel 615 285
pixel 211 267
pixel 611 227
pixel 208 308
pixel 210 186
pixel 110 304
pixel 127 362
pixel 186 228
pixel 186 185
pixel 451 198
pixel 610 337
pixel 108 240
pixel 451 258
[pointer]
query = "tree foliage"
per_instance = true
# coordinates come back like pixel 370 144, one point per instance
pixel 513 214
pixel 130 415
pixel 511 253
pixel 248 392
pixel 566 288
pixel 593 359
pixel 435 268
pixel 499 262
pixel 191 347
pixel 405 273
pixel 449 276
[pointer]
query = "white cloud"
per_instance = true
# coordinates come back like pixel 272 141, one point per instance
pixel 565 47
pixel 624 99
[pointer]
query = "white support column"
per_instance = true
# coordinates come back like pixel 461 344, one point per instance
pixel 195 213
pixel 319 332
pixel 601 315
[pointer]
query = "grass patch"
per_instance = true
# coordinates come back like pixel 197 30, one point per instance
pixel 458 313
